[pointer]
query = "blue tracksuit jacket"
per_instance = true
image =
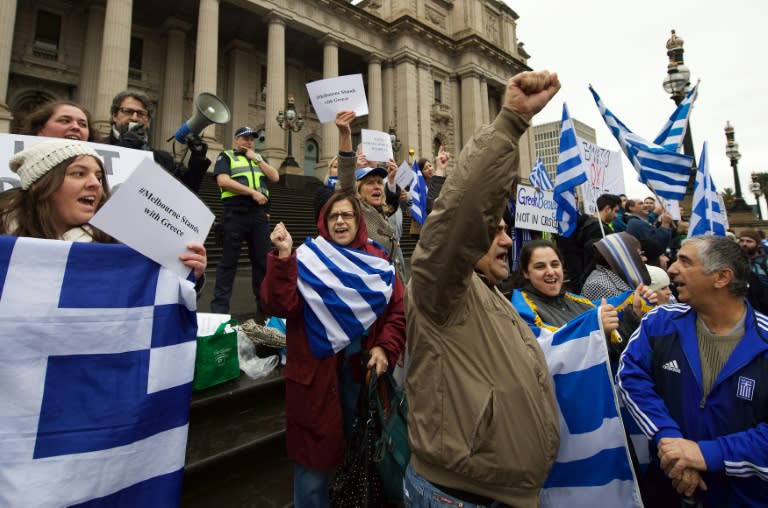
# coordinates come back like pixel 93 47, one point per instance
pixel 659 379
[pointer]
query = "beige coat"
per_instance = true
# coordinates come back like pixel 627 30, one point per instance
pixel 482 416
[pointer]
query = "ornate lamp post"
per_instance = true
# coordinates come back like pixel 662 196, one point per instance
pixel 757 190
pixel 292 122
pixel 396 144
pixel 732 152
pixel 677 84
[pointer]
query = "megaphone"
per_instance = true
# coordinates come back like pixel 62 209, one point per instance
pixel 208 109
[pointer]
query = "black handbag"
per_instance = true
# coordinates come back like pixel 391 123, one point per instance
pixel 392 449
pixel 358 483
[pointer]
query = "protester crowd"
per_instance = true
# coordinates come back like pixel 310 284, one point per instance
pixel 681 319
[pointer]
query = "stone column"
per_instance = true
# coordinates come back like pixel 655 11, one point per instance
pixel 238 58
pixel 407 104
pixel 207 54
pixel 486 110
pixel 388 97
pixel 172 103
pixel 471 107
pixel 7 21
pixel 115 53
pixel 330 142
pixel 275 145
pixel 425 111
pixel 89 67
pixel 375 97
pixel 455 98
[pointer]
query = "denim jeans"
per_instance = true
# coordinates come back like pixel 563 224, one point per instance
pixel 419 493
pixel 310 487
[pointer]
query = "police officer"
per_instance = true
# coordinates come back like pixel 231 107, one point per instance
pixel 240 175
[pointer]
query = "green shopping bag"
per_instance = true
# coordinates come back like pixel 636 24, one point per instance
pixel 216 360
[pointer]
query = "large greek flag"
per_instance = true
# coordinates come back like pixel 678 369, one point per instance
pixel 592 467
pixel 96 363
pixel 707 217
pixel 570 174
pixel 673 132
pixel 344 290
pixel 539 177
pixel 662 169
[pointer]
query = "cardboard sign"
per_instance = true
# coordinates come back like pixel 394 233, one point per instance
pixel 119 162
pixel 156 215
pixel 604 173
pixel 329 96
pixel 535 209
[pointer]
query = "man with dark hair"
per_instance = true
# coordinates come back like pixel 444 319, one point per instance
pixel 694 379
pixel 639 227
pixel 749 241
pixel 482 422
pixel 619 223
pixel 131 119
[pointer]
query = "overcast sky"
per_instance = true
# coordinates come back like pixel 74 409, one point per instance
pixel 619 48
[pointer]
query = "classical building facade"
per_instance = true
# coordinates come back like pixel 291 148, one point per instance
pixel 434 70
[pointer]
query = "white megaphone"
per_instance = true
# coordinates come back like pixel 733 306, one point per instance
pixel 208 109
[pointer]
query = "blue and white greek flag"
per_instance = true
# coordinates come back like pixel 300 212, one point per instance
pixel 593 466
pixel 539 177
pixel 570 174
pixel 673 132
pixel 418 195
pixel 96 364
pixel 707 218
pixel 344 290
pixel 662 169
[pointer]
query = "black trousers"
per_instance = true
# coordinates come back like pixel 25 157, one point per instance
pixel 240 225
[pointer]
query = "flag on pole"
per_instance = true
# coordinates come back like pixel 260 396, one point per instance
pixel 707 217
pixel 97 360
pixel 539 177
pixel 673 132
pixel 662 169
pixel 570 174
pixel 418 195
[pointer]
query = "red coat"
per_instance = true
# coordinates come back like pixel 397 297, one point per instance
pixel 315 432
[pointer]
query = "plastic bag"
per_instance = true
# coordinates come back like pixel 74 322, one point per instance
pixel 253 366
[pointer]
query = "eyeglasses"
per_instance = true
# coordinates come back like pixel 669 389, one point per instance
pixel 334 216
pixel 138 112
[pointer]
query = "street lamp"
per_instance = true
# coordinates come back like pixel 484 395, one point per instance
pixel 677 84
pixel 396 144
pixel 292 122
pixel 757 190
pixel 732 152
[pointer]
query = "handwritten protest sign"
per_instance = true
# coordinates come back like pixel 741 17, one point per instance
pixel 535 209
pixel 404 175
pixel 377 145
pixel 156 215
pixel 604 173
pixel 119 162
pixel 331 95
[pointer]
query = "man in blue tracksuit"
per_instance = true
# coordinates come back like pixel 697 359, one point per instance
pixel 694 376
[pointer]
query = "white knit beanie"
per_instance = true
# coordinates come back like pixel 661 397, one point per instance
pixel 659 278
pixel 34 162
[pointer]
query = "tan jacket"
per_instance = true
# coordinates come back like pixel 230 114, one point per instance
pixel 482 416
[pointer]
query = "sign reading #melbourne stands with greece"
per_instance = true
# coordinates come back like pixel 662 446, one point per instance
pixel 119 162
pixel 535 209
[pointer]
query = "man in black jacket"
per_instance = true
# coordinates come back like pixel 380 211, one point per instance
pixel 131 118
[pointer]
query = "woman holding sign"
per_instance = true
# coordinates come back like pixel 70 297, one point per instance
pixel 340 297
pixel 63 185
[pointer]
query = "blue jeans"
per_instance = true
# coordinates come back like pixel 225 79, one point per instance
pixel 310 488
pixel 419 493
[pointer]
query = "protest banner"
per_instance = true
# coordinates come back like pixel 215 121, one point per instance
pixel 535 209
pixel 329 96
pixel 604 173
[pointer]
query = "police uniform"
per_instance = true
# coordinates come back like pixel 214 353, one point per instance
pixel 243 219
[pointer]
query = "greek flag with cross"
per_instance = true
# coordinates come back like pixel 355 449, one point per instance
pixel 97 360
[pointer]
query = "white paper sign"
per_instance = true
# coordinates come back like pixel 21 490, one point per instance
pixel 671 206
pixel 535 209
pixel 156 215
pixel 118 162
pixel 404 175
pixel 604 173
pixel 377 145
pixel 329 96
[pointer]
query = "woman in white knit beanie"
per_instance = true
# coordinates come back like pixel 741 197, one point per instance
pixel 63 185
